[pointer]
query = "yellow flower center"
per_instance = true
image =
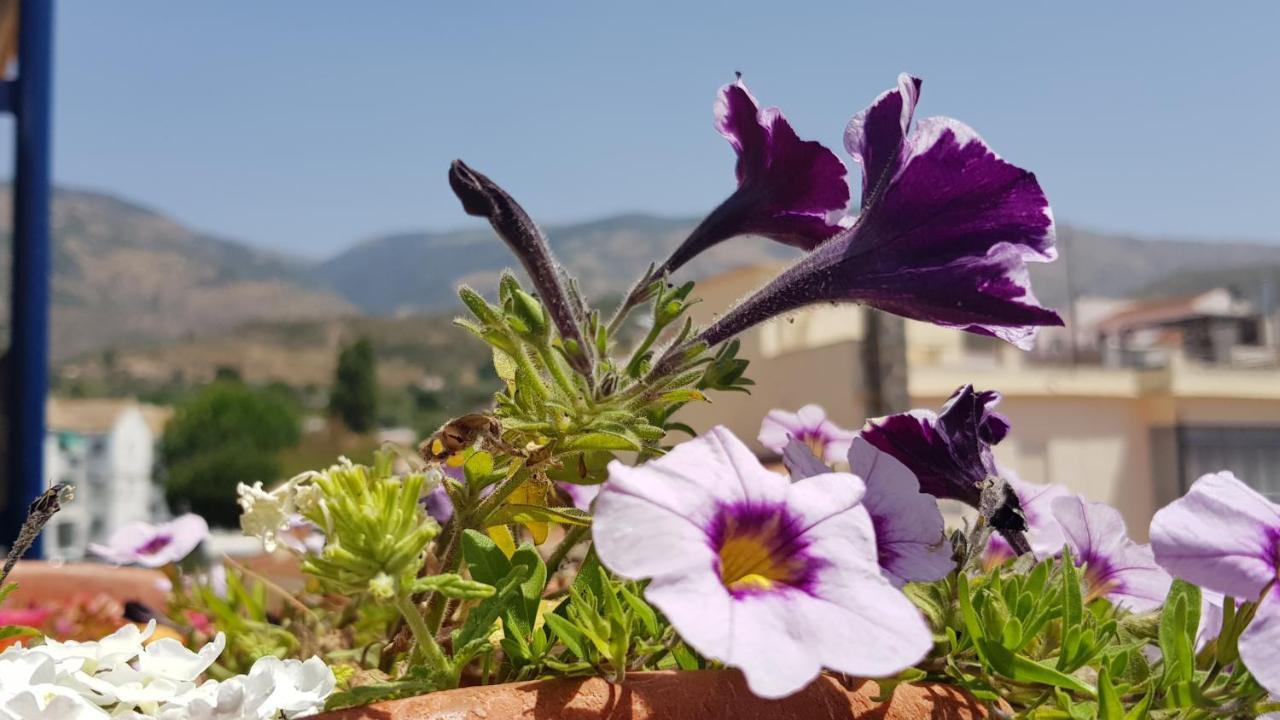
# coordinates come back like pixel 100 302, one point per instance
pixel 757 557
pixel 817 444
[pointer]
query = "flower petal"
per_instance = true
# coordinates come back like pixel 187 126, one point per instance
pixel 910 533
pixel 945 233
pixel 790 190
pixel 801 462
pixel 875 137
pixel 1126 570
pixel 1222 535
pixel 1260 642
pixel 768 643
pixel 653 519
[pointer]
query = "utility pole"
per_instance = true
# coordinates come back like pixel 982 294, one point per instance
pixel 884 363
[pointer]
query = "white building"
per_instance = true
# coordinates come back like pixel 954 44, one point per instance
pixel 106 448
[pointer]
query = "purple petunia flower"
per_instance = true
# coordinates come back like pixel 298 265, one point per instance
pixel 1225 537
pixel 944 235
pixel 1044 534
pixel 779 579
pixel 950 454
pixel 911 541
pixel 789 190
pixel 1115 567
pixel 810 426
pixel 152 546
pixel 580 495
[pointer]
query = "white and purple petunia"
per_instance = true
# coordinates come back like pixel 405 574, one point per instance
pixel 810 426
pixel 944 235
pixel 580 495
pixel 950 454
pixel 779 579
pixel 1044 534
pixel 911 541
pixel 141 543
pixel 1115 567
pixel 1225 537
pixel 789 190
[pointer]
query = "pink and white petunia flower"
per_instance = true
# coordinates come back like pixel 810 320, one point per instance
pixel 141 543
pixel 810 426
pixel 1115 567
pixel 779 579
pixel 1225 537
pixel 911 541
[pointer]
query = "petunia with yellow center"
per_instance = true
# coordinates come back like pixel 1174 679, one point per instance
pixel 756 556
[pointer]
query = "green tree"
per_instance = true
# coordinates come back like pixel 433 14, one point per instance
pixel 354 397
pixel 226 434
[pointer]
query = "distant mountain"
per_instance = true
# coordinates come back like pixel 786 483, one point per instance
pixel 1124 266
pixel 413 272
pixel 126 275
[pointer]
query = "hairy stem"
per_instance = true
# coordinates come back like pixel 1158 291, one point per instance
pixel 424 640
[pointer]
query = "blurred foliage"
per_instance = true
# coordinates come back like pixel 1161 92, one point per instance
pixel 354 396
pixel 226 434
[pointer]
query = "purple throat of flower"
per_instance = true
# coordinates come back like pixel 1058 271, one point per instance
pixel 761 549
pixel 155 544
pixel 1099 577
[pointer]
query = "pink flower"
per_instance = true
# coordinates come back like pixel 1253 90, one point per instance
pixel 1225 537
pixel 1116 567
pixel 779 579
pixel 809 425
pixel 911 541
pixel 148 545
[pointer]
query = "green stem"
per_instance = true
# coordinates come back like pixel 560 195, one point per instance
pixel 649 339
pixel 571 539
pixel 554 366
pixel 424 639
pixel 499 494
pixel 433 615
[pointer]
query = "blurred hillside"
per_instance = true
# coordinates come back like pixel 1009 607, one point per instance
pixel 140 297
pixel 124 274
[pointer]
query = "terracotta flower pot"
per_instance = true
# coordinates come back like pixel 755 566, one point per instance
pixel 698 695
pixel 42 582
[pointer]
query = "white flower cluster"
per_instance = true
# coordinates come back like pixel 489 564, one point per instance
pixel 268 515
pixel 120 677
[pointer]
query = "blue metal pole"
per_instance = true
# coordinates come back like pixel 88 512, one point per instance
pixel 29 339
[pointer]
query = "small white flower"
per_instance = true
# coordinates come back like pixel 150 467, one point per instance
pixel 297 688
pixel 262 513
pixel 41 702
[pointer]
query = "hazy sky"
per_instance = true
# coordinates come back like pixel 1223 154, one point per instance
pixel 308 126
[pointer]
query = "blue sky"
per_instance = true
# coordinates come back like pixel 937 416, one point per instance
pixel 308 126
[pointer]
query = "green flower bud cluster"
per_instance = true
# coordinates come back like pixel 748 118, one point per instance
pixel 376 529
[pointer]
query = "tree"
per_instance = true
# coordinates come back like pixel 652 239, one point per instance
pixel 354 397
pixel 226 434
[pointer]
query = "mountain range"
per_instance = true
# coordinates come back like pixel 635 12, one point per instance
pixel 127 276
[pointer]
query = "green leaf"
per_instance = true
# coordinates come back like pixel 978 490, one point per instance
pixel 6 589
pixel 602 441
pixel 17 631
pixel 485 559
pixel 1179 621
pixel 517 513
pixel 366 694
pixel 453 586
pixel 1140 710
pixel 568 634
pixel 1109 705
pixel 478 467
pixel 648 618
pixel 524 615
pixel 480 620
pixel 1023 669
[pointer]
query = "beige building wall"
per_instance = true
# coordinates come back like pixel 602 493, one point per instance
pixel 1106 433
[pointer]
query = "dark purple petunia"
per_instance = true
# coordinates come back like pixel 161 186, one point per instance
pixel 950 454
pixel 944 235
pixel 789 190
